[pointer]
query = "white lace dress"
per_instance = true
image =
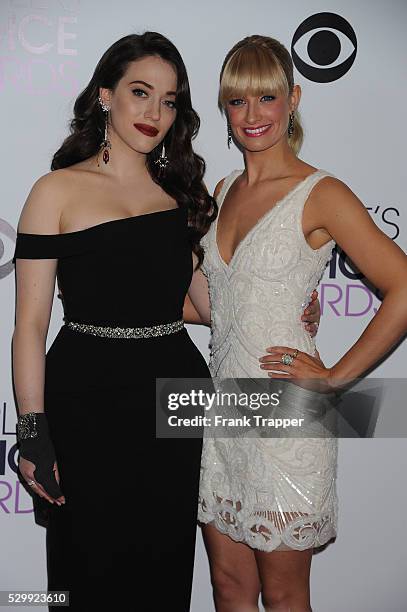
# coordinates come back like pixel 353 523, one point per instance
pixel 269 493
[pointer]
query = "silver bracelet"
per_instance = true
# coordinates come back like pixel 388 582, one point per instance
pixel 27 425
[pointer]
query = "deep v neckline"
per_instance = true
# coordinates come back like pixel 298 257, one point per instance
pixel 259 220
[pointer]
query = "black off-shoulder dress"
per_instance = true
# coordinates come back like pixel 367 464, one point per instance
pixel 129 521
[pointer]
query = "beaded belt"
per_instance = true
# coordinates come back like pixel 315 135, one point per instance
pixel 152 331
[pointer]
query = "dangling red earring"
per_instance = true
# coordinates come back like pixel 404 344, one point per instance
pixel 106 144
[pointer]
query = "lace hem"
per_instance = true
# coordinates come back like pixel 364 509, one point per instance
pixel 268 530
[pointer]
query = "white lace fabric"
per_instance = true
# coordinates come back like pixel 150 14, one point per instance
pixel 272 494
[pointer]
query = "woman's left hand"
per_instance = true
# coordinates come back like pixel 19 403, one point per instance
pixel 312 315
pixel 302 369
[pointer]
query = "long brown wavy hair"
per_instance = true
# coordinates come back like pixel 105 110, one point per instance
pixel 183 177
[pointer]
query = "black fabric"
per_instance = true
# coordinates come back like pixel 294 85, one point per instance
pixel 125 538
pixel 40 451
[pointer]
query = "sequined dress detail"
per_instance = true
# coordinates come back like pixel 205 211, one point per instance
pixel 272 494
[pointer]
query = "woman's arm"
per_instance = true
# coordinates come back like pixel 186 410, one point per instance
pixel 190 314
pixel 35 285
pixel 35 292
pixel 381 261
pixel 341 215
pixel 196 306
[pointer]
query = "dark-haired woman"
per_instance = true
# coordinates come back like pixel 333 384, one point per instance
pixel 115 223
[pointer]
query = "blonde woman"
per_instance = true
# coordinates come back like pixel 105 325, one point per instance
pixel 267 503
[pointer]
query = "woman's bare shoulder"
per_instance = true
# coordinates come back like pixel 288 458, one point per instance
pixel 218 188
pixel 332 188
pixel 43 207
pixel 333 200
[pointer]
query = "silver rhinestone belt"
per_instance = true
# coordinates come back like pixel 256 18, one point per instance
pixel 152 331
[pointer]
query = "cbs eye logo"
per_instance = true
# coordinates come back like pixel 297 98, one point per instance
pixel 7 243
pixel 328 42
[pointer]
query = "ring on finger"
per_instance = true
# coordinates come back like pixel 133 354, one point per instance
pixel 295 353
pixel 287 359
pixel 30 483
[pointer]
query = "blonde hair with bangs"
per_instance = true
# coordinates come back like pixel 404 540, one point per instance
pixel 259 65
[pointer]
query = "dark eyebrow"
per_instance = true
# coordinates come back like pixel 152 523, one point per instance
pixel 169 93
pixel 143 83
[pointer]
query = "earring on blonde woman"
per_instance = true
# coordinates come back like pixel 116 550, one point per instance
pixel 229 135
pixel 290 129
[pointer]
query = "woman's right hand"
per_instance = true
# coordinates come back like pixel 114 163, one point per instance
pixel 27 470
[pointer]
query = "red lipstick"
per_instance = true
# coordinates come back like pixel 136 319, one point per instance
pixel 147 130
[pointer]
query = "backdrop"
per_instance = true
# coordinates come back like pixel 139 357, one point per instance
pixel 350 64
